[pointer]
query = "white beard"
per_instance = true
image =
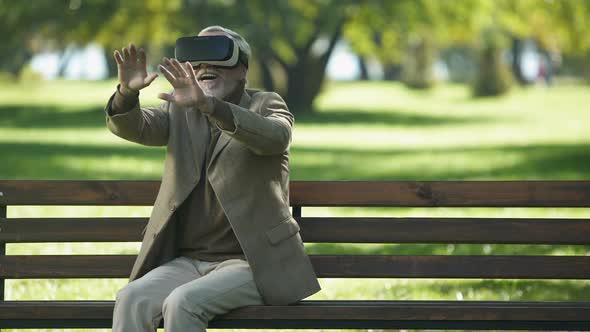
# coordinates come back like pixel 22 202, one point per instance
pixel 222 90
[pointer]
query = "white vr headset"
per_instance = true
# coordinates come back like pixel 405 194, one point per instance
pixel 216 50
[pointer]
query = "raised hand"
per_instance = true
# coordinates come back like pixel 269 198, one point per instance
pixel 187 91
pixel 132 70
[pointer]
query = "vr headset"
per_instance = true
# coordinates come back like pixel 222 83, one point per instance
pixel 219 51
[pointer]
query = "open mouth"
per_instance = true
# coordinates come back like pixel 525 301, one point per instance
pixel 207 77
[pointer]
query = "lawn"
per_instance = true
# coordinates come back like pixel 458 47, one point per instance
pixel 361 131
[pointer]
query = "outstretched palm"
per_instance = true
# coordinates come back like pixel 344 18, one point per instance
pixel 187 91
pixel 132 69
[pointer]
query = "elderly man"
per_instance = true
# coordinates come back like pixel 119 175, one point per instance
pixel 220 235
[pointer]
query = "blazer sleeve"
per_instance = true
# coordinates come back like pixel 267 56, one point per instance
pixel 143 125
pixel 265 128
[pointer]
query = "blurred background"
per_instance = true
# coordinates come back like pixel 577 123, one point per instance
pixel 381 90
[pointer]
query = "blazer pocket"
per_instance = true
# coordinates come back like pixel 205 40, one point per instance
pixel 282 231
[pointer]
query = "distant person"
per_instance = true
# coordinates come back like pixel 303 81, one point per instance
pixel 220 235
pixel 552 61
pixel 542 70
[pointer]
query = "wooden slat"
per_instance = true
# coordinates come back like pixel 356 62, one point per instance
pixel 66 266
pixel 442 193
pixel 23 230
pixel 70 192
pixel 410 266
pixel 328 229
pixel 446 230
pixel 331 310
pixel 2 253
pixel 327 266
pixel 320 193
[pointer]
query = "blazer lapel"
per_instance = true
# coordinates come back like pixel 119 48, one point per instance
pixel 197 129
pixel 224 138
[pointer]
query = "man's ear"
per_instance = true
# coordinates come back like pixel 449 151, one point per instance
pixel 243 71
pixel 242 83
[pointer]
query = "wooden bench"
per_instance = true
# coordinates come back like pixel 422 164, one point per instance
pixel 363 314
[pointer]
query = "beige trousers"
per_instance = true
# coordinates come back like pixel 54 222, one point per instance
pixel 187 293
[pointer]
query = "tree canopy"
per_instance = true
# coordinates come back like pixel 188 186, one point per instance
pixel 292 39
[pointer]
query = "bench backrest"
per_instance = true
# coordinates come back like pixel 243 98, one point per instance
pixel 322 229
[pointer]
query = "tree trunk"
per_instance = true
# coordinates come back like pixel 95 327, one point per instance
pixel 112 70
pixel 392 72
pixel 493 77
pixel 65 58
pixel 13 61
pixel 306 76
pixel 418 68
pixel 304 81
pixel 266 75
pixel 363 68
pixel 516 59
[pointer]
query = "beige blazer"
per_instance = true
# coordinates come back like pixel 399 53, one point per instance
pixel 249 172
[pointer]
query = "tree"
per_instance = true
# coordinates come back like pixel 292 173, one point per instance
pixel 298 36
pixel 493 77
pixel 295 38
pixel 556 25
pixel 28 26
pixel 409 33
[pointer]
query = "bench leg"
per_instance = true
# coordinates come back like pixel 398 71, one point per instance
pixel 3 209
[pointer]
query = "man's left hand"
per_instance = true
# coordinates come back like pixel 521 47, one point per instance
pixel 187 91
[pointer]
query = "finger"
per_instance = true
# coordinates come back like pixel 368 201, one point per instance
pixel 141 56
pixel 132 53
pixel 150 78
pixel 179 67
pixel 166 97
pixel 171 67
pixel 118 57
pixel 126 54
pixel 191 72
pixel 197 87
pixel 169 76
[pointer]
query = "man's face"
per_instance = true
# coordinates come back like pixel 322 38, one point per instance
pixel 217 81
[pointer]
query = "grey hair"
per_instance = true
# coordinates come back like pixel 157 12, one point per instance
pixel 242 43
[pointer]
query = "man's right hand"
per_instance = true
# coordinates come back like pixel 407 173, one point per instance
pixel 132 70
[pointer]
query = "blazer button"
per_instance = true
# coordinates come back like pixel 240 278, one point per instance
pixel 173 207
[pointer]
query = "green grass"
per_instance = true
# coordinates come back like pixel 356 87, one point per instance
pixel 362 131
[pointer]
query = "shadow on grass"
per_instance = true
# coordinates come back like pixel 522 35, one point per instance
pixel 35 116
pixel 535 162
pixel 393 117
pixel 46 161
pixel 40 117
